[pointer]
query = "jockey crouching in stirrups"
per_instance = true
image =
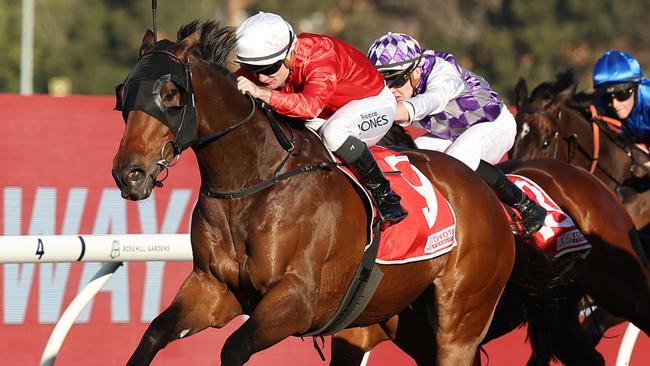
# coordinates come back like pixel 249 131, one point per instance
pixel 311 76
pixel 463 117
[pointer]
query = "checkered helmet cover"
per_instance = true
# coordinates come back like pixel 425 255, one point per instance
pixel 394 51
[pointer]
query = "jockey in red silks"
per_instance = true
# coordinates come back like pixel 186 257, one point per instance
pixel 461 114
pixel 330 84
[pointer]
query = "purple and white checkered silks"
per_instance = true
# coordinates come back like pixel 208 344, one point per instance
pixel 477 103
pixel 394 51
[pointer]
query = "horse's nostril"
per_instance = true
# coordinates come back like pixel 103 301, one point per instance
pixel 135 176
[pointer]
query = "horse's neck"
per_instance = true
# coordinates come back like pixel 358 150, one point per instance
pixel 574 121
pixel 612 159
pixel 244 155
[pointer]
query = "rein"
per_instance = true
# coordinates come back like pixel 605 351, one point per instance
pixel 326 165
pixel 287 143
pixel 605 123
pixel 575 145
pixel 595 127
pixel 206 139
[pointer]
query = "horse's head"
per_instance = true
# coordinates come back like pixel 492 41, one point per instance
pixel 158 105
pixel 539 117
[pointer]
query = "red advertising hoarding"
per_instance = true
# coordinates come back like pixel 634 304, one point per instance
pixel 55 179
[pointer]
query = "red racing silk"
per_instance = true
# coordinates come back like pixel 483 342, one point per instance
pixel 327 74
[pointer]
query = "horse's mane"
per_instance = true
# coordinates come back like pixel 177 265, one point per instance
pixel 215 41
pixel 542 93
pixel 547 90
pixel 581 102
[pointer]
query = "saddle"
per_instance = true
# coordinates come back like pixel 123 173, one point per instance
pixel 559 235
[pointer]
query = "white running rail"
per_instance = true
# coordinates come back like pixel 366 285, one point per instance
pixel 115 249
pixel 111 249
pixel 94 248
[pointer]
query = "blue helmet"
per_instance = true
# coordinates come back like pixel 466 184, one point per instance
pixel 616 67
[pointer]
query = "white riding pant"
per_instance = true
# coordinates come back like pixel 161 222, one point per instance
pixel 488 141
pixel 367 119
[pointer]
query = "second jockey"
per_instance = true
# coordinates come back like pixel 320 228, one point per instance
pixel 462 116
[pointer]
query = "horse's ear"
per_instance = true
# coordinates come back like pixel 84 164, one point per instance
pixel 188 43
pixel 148 42
pixel 521 94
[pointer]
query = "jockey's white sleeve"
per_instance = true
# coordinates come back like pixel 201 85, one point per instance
pixel 443 85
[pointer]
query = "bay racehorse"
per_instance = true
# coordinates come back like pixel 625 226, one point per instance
pixel 552 316
pixel 279 234
pixel 555 122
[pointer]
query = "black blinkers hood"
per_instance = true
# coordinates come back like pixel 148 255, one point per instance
pixel 141 92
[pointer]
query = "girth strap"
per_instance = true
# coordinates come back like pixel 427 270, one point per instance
pixel 363 286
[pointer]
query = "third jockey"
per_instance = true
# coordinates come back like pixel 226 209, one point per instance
pixel 309 76
pixel 462 116
pixel 623 92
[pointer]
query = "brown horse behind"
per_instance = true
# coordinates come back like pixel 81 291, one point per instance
pixel 556 123
pixel 285 254
pixel 552 321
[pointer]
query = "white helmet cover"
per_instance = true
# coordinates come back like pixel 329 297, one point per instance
pixel 263 39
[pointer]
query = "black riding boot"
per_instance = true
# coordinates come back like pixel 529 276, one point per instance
pixel 357 157
pixel 532 214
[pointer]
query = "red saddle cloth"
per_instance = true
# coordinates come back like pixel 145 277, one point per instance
pixel 559 235
pixel 429 230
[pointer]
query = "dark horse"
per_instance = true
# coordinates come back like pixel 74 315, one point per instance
pixel 285 253
pixel 555 122
pixel 551 315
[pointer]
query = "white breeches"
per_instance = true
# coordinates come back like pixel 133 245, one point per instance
pixel 488 141
pixel 367 119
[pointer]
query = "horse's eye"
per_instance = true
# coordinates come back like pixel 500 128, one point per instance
pixel 170 94
pixel 172 98
pixel 545 143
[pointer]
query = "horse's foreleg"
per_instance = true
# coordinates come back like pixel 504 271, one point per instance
pixel 411 321
pixel 597 323
pixel 350 345
pixel 200 303
pixel 409 330
pixel 285 309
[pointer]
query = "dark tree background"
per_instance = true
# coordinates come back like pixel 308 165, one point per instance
pixel 94 43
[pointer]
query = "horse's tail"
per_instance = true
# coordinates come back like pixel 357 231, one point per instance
pixel 535 275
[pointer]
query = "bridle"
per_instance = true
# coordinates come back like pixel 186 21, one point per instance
pixel 556 123
pixel 573 141
pixel 199 142
pixel 185 130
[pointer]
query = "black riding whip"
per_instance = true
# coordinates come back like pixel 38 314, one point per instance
pixel 154 7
